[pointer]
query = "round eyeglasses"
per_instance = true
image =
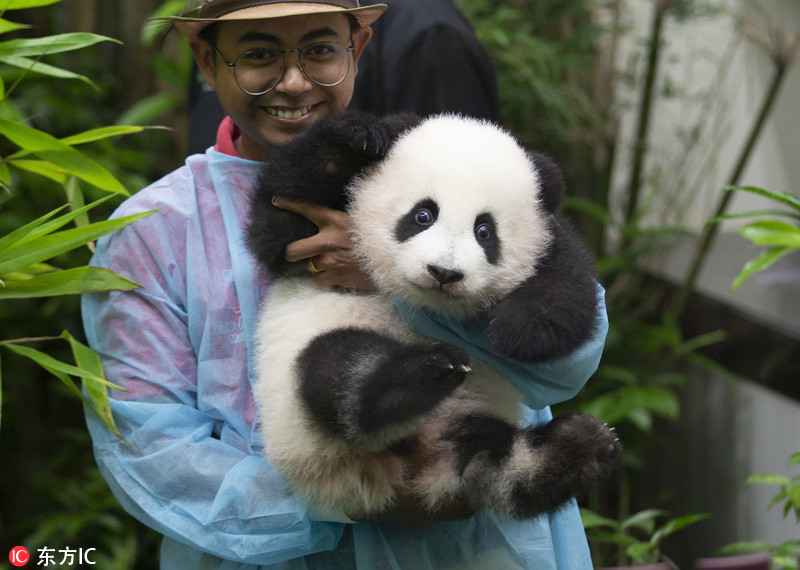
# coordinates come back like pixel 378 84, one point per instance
pixel 258 71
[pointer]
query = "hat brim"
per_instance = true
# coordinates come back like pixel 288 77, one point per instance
pixel 365 15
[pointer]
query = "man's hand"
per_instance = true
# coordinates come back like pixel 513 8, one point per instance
pixel 328 254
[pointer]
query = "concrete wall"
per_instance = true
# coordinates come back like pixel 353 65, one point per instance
pixel 718 78
pixel 728 432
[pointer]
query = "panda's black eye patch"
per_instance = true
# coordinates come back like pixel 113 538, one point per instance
pixel 418 219
pixel 485 232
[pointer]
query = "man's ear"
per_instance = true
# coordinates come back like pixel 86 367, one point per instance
pixel 205 56
pixel 361 37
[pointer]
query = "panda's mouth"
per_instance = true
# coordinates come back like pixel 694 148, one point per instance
pixel 447 290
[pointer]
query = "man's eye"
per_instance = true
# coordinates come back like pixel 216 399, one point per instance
pixel 264 56
pixel 323 52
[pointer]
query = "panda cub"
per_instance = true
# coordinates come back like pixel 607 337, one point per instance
pixel 450 216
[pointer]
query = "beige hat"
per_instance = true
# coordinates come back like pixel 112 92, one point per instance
pixel 192 20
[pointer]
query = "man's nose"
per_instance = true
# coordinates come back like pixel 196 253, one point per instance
pixel 294 80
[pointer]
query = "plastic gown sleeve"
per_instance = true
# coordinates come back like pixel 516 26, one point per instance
pixel 189 466
pixel 542 384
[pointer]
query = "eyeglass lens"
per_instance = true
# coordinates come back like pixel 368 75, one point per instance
pixel 260 70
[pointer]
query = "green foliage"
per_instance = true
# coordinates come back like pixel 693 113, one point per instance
pixel 639 535
pixel 26 252
pixel 781 237
pixel 785 556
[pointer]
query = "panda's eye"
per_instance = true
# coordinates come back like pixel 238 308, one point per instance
pixel 424 217
pixel 483 232
pixel 417 219
pixel 487 236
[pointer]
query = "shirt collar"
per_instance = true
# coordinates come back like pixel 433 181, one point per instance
pixel 226 134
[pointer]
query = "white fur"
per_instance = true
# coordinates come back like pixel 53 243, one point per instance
pixel 478 169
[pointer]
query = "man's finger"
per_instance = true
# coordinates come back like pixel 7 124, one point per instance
pixel 317 214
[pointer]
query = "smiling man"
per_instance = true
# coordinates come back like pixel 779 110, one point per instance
pixel 191 464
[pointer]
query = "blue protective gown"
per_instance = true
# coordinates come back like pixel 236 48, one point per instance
pixel 191 464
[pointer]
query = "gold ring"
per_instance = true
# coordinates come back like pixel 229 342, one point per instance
pixel 311 267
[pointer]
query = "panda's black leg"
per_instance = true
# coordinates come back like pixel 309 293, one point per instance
pixel 526 472
pixel 358 382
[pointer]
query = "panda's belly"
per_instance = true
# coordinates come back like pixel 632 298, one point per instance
pixel 295 312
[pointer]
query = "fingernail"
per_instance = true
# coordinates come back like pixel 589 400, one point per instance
pixel 275 200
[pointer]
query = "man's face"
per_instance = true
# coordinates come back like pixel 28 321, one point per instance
pixel 264 119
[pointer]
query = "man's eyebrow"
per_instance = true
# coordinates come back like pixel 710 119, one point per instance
pixel 256 36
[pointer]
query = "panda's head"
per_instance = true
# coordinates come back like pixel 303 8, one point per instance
pixel 453 218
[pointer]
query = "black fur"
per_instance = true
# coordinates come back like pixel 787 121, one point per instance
pixel 554 311
pixel 481 435
pixel 578 451
pixel 315 168
pixel 418 219
pixel 486 236
pixel 394 381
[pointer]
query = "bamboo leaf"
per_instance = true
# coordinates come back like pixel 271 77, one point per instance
pixel 644 520
pixel 53 150
pixel 87 359
pixel 744 547
pixel 591 519
pixel 20 233
pixel 76 202
pixel 43 168
pixel 6 26
pixel 23 4
pixel 674 525
pixel 42 227
pixel 93 135
pixel 73 281
pixel 782 197
pixel 46 247
pixel 768 479
pixel 46 361
pixel 58 43
pixel 754 213
pixel 148 110
pixel 763 261
pixel 772 232
pixel 43 68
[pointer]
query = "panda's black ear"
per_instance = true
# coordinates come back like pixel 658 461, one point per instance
pixel 551 179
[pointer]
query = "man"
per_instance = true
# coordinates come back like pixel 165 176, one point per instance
pixel 190 464
pixel 424 58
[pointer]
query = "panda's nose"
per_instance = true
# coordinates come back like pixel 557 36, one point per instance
pixel 445 276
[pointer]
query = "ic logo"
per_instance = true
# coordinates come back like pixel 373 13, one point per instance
pixel 19 556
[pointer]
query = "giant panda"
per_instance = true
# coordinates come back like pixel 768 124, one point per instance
pixel 450 216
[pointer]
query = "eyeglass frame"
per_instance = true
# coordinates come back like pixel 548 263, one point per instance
pixel 299 51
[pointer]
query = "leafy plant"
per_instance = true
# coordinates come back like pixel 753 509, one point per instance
pixel 781 237
pixel 639 535
pixel 786 555
pixel 26 253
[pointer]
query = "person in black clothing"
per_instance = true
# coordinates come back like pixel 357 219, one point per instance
pixel 424 58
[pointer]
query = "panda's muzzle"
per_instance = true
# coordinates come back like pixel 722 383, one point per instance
pixel 445 276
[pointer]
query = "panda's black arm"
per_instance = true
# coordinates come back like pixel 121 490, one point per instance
pixel 555 311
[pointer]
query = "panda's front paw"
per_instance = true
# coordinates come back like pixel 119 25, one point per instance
pixel 446 363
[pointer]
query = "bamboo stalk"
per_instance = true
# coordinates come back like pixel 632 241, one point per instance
pixel 710 231
pixel 645 111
